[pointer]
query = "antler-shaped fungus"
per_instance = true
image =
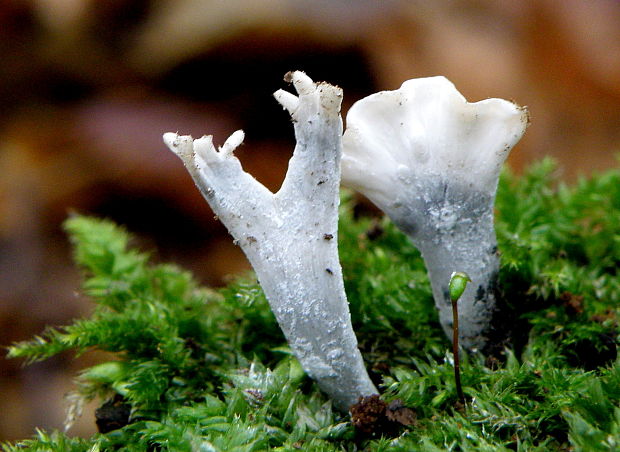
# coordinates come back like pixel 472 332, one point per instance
pixel 291 237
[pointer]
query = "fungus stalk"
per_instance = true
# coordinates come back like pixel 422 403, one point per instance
pixel 291 237
pixel 431 161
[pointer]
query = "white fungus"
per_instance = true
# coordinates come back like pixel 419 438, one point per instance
pixel 431 161
pixel 291 237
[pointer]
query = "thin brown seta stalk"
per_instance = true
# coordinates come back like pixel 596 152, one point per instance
pixel 455 351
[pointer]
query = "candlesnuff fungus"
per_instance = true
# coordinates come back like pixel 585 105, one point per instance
pixel 290 237
pixel 431 161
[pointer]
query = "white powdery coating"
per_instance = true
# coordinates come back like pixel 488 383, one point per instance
pixel 291 237
pixel 431 161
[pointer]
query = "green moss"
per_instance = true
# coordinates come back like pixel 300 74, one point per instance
pixel 209 370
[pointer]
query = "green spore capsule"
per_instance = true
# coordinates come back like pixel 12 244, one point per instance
pixel 458 283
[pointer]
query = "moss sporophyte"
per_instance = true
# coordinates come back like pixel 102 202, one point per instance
pixel 456 287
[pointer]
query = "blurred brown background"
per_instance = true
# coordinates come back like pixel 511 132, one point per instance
pixel 88 87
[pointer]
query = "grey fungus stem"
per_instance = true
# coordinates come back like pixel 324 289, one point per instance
pixel 431 161
pixel 285 235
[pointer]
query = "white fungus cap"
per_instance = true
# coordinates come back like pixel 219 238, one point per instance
pixel 427 128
